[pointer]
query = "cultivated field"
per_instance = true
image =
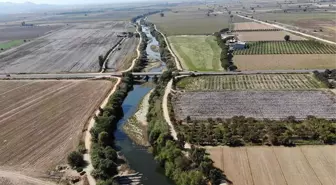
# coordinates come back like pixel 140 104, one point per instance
pixel 266 36
pixel 257 104
pixel 294 61
pixel 289 47
pixel 14 32
pixel 200 53
pixel 251 26
pixel 42 121
pixel 311 22
pixel 276 165
pixel 75 49
pixel 121 59
pixel 189 22
pixel 245 82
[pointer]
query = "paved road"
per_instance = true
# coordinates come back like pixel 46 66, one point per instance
pixel 119 74
pixel 289 30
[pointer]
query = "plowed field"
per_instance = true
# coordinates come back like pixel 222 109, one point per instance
pixel 42 121
pixel 74 49
pixel 309 165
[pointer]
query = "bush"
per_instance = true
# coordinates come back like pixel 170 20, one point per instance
pixel 75 159
pixel 287 38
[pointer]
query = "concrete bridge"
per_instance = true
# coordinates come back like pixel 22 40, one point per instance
pixel 141 74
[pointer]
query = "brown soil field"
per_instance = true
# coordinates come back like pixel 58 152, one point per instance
pixel 75 49
pixel 8 33
pixel 294 61
pixel 256 104
pixel 266 36
pixel 42 121
pixel 264 165
pixel 251 26
pixel 121 59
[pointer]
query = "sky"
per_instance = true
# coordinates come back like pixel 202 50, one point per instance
pixel 70 1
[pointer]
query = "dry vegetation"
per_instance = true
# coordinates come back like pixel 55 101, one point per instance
pixel 256 104
pixel 277 62
pixel 189 22
pixel 42 121
pixel 276 165
pixel 75 49
pixel 250 26
pixel 266 36
pixel 244 82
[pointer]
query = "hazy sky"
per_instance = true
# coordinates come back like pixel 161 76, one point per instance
pixel 70 1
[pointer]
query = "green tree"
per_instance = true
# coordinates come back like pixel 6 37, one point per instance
pixel 75 159
pixel 103 138
pixel 287 38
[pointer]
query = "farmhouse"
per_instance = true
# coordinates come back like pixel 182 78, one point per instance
pixel 236 44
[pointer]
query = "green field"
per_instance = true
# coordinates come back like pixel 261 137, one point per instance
pixel 197 53
pixel 290 47
pixel 10 44
pixel 245 82
pixel 189 23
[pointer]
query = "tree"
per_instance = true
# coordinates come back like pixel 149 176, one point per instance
pixel 287 38
pixel 103 138
pixel 110 153
pixel 75 159
pixel 162 14
pixel 215 176
pixel 101 60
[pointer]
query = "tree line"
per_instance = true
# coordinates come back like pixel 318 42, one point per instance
pixel 240 131
pixel 226 57
pixel 193 168
pixel 103 156
pixel 141 61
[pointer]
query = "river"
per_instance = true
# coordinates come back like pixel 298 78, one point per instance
pixel 139 159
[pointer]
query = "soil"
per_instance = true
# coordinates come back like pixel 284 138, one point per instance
pixel 266 36
pixel 263 165
pixel 75 49
pixel 251 26
pixel 42 121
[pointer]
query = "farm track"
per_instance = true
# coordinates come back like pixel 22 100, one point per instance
pixel 41 126
pixel 265 165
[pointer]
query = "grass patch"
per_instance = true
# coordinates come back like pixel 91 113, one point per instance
pixel 10 44
pixel 198 53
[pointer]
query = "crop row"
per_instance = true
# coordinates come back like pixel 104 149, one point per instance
pixel 286 47
pixel 243 82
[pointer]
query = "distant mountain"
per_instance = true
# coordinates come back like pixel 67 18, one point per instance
pixel 27 7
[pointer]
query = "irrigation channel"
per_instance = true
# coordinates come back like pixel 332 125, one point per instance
pixel 139 159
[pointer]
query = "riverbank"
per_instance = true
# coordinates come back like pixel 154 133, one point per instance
pixel 136 126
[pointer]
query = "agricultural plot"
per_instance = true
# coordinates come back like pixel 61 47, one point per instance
pixel 321 24
pixel 252 26
pixel 257 104
pixel 189 22
pixel 14 32
pixel 276 165
pixel 200 53
pixel 42 121
pixel 283 47
pixel 75 49
pixel 245 82
pixel 266 36
pixel 279 62
pixel 122 59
